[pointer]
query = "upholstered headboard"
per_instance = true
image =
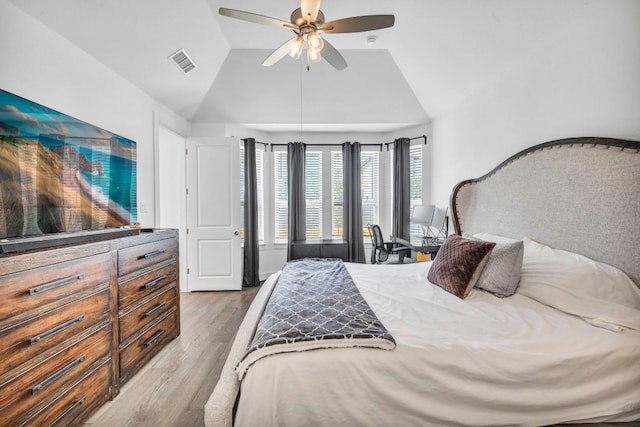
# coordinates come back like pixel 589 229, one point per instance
pixel 576 194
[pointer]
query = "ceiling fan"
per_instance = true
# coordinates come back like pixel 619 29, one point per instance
pixel 308 23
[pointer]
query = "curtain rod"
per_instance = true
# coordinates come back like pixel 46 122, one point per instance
pixel 327 145
pixel 257 142
pixel 410 139
pixel 364 145
pixel 266 144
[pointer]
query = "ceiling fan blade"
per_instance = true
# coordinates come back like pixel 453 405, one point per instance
pixel 279 53
pixel 255 18
pixel 333 57
pixel 359 23
pixel 310 7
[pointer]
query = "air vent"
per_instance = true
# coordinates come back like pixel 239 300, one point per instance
pixel 182 60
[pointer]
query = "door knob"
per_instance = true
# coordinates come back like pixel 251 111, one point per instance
pixel 236 233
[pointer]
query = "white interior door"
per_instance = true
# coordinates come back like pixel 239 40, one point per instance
pixel 213 214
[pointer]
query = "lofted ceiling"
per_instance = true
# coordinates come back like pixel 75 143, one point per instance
pixel 438 53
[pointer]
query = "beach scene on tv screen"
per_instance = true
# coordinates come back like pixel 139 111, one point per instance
pixel 59 174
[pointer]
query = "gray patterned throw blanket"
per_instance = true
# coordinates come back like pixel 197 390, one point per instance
pixel 314 305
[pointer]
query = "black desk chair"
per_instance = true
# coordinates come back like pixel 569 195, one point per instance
pixel 381 250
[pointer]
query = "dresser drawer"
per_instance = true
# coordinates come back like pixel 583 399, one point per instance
pixel 47 287
pixel 24 341
pixel 42 384
pixel 149 254
pixel 139 318
pixel 78 403
pixel 146 284
pixel 141 350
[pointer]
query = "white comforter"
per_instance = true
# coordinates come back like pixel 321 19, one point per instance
pixel 478 361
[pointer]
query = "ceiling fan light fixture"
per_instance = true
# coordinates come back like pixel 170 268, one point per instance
pixel 315 41
pixel 296 48
pixel 313 55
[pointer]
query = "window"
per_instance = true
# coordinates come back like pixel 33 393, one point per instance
pixel 369 176
pixel 313 195
pixel 324 183
pixel 415 174
pixel 281 193
pixel 337 201
pixel 260 195
pixel 415 181
pixel 370 195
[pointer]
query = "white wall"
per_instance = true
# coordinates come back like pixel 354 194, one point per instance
pixel 581 81
pixel 171 203
pixel 43 67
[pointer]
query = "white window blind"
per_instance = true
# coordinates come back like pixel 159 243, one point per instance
pixel 415 177
pixel 313 193
pixel 260 183
pixel 415 174
pixel 281 192
pixel 337 186
pixel 369 176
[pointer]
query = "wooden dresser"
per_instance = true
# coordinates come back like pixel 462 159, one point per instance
pixel 148 300
pixel 77 321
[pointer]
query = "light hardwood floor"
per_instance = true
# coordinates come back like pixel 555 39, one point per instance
pixel 172 389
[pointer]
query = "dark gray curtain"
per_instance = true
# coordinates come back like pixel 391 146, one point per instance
pixel 251 271
pixel 297 202
pixel 401 189
pixel 352 201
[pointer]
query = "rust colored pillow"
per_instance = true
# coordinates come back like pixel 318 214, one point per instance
pixel 458 264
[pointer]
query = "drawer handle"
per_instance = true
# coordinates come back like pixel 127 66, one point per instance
pixel 154 309
pixel 153 254
pixel 154 282
pixel 69 410
pixel 61 372
pixel 56 284
pixel 155 338
pixel 61 327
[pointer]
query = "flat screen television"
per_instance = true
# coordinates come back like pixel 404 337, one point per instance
pixel 60 175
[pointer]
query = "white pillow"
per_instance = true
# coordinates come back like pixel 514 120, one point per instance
pixel 597 292
pixel 494 238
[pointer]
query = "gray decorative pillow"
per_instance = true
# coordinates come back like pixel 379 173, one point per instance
pixel 501 274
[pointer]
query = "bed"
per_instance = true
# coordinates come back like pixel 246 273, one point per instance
pixel 563 348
